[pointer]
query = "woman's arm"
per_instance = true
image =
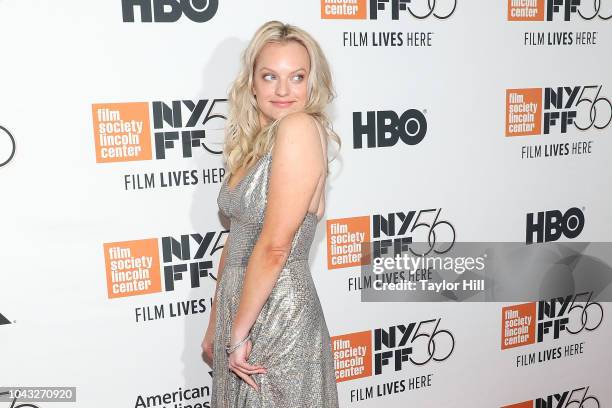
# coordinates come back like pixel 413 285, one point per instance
pixel 219 274
pixel 297 167
pixel 208 341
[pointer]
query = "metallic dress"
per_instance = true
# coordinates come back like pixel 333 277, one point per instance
pixel 290 336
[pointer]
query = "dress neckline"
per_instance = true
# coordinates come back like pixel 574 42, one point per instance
pixel 248 173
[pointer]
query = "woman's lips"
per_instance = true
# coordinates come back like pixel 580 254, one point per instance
pixel 281 104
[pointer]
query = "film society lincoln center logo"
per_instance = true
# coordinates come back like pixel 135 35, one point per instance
pixel 391 349
pixel 537 111
pixel 132 268
pixel 370 9
pixel 344 239
pixel 536 322
pixel 122 131
pixel 393 232
pixel 561 10
pixel 152 265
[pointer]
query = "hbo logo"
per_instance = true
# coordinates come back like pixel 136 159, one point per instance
pixel 550 225
pixel 169 11
pixel 386 128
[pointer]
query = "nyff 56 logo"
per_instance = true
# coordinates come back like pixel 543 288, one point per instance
pixel 395 232
pixel 578 398
pixel 535 322
pixel 536 111
pixel 7 146
pixel 390 349
pixel 558 10
pixel 139 267
pixel 358 9
pixel 4 320
pixel 122 130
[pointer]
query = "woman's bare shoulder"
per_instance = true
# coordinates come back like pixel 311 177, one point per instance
pixel 301 120
pixel 299 130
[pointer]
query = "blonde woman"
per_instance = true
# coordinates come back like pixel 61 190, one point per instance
pixel 267 340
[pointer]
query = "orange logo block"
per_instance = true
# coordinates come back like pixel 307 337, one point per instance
pixel 525 10
pixel 526 404
pixel 345 10
pixel 121 131
pixel 132 268
pixel 523 112
pixel 518 325
pixel 344 239
pixel 352 355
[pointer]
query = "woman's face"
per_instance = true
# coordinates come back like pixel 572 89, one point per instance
pixel 280 80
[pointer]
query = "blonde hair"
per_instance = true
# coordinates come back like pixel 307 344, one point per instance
pixel 245 140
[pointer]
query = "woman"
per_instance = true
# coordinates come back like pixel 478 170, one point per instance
pixel 267 339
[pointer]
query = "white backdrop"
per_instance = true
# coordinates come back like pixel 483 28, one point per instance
pixel 62 207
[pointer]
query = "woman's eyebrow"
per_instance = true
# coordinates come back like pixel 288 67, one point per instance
pixel 268 69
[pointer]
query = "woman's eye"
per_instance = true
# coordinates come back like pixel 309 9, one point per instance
pixel 268 77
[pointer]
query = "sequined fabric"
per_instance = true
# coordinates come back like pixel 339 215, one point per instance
pixel 290 336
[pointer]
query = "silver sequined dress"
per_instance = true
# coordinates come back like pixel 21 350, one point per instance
pixel 290 336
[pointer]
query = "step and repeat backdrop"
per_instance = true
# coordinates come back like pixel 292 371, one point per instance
pixel 484 120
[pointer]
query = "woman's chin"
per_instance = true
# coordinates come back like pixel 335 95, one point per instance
pixel 284 112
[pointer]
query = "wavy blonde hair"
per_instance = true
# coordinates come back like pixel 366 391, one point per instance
pixel 245 140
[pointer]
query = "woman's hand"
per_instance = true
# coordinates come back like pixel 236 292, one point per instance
pixel 208 345
pixel 238 364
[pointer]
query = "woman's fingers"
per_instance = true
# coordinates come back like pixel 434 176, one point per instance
pixel 207 352
pixel 208 359
pixel 247 378
pixel 245 366
pixel 207 348
pixel 240 356
pixel 249 369
pixel 239 365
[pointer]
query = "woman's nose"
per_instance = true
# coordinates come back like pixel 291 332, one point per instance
pixel 282 88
